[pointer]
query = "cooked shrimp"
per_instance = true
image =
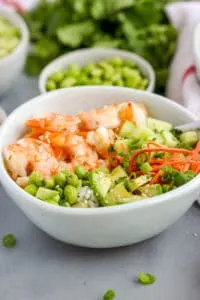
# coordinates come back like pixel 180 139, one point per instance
pixel 55 122
pixel 113 115
pixel 101 139
pixel 106 117
pixel 133 112
pixel 81 153
pixel 29 155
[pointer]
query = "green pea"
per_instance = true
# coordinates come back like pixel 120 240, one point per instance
pixel 65 204
pixel 31 189
pixel 81 172
pixel 116 61
pixel 60 190
pixel 83 80
pixel 73 180
pixel 49 183
pixel 88 68
pixel 36 178
pixel 96 72
pixel 57 76
pixel 50 85
pixel 71 194
pixel 60 179
pixel 130 64
pixel 73 70
pixel 68 82
pixel 95 81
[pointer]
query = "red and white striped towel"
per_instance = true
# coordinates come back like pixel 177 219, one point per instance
pixel 183 86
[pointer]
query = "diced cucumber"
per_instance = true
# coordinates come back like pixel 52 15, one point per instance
pixel 136 183
pixel 189 138
pixel 158 125
pixel 127 129
pixel 170 140
pixel 159 139
pixel 118 173
pixel 100 183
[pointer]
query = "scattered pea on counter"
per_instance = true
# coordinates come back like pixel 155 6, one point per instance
pixel 113 71
pixel 9 37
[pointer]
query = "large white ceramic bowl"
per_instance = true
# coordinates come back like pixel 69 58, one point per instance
pixel 85 56
pixel 12 64
pixel 105 226
pixel 196 49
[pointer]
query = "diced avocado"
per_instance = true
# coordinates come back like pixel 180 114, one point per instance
pixel 158 125
pixel 81 204
pixel 127 129
pixel 189 138
pixel 136 183
pixel 118 195
pixel 100 183
pixel 121 144
pixel 170 140
pixel 151 190
pixel 118 173
pixel 48 195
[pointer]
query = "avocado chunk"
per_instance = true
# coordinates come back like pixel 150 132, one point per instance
pixel 127 129
pixel 118 173
pixel 136 183
pixel 119 195
pixel 170 140
pixel 100 183
pixel 158 125
pixel 48 195
pixel 189 138
pixel 151 190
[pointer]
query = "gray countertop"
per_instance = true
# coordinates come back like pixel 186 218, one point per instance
pixel 40 268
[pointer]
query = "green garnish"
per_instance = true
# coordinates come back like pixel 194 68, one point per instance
pixel 9 240
pixel 109 295
pixel 146 278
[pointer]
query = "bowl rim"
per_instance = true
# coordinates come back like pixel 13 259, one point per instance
pixel 135 57
pixel 149 202
pixel 10 15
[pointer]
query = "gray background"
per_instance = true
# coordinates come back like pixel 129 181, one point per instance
pixel 40 268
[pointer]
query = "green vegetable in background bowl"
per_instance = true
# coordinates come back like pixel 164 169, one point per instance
pixel 140 26
pixel 9 37
pixel 112 71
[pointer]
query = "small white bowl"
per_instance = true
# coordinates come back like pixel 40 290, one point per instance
pixel 12 64
pixel 105 226
pixel 85 56
pixel 196 49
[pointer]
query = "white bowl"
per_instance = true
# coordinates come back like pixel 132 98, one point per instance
pixel 105 226
pixel 2 116
pixel 12 64
pixel 196 49
pixel 85 56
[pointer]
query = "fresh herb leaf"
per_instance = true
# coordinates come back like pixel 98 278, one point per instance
pixel 74 35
